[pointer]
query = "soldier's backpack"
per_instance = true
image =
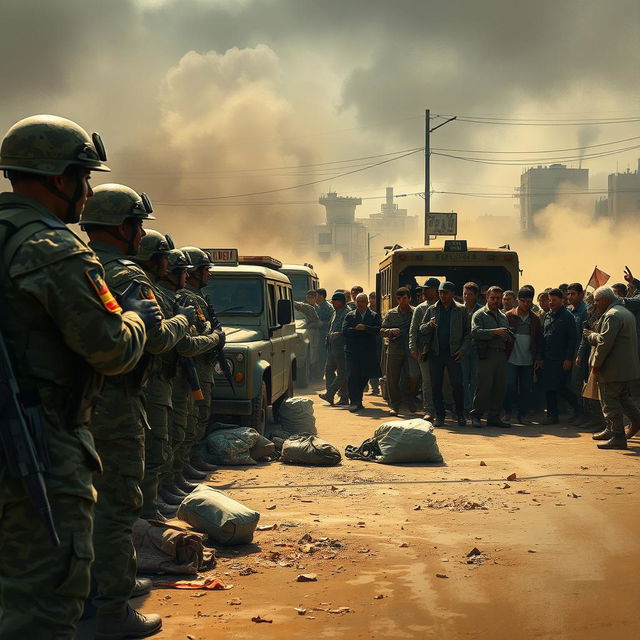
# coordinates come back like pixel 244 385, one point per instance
pixel 399 441
pixel 296 416
pixel 225 520
pixel 309 450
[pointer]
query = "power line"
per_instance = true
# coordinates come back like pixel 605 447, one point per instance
pixel 307 184
pixel 533 161
pixel 588 146
pixel 542 122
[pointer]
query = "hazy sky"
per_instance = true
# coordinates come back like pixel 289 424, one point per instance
pixel 201 98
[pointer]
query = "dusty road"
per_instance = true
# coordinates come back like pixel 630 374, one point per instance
pixel 560 546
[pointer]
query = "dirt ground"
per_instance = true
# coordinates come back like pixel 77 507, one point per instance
pixel 558 547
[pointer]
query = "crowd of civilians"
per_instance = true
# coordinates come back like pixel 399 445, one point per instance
pixel 507 360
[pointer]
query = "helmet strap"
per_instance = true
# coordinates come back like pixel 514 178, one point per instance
pixel 72 201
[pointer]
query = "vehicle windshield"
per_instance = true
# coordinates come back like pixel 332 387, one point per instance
pixel 235 296
pixel 300 284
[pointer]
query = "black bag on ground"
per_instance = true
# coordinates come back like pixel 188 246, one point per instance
pixel 305 448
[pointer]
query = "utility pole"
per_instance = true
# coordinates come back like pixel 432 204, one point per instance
pixel 427 174
pixel 427 169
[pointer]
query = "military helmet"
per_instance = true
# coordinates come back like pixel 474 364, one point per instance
pixel 197 257
pixel 47 145
pixel 152 243
pixel 178 261
pixel 112 204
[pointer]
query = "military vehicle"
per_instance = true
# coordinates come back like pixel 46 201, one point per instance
pixel 254 303
pixel 303 278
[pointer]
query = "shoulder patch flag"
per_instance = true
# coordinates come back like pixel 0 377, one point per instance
pixel 101 288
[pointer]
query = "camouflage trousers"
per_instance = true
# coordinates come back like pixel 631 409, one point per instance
pixel 118 507
pixel 42 587
pixel 197 421
pixel 157 452
pixel 181 401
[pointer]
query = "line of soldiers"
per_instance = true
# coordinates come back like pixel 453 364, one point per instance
pixel 103 339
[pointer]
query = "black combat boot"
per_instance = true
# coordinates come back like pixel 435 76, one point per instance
pixel 605 434
pixel 193 474
pixel 618 441
pixel 141 587
pixel 170 498
pixel 200 464
pixel 182 484
pixel 125 624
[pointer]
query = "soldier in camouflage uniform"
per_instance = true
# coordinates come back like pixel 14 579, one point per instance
pixel 113 220
pixel 156 259
pixel 173 485
pixel 64 329
pixel 194 467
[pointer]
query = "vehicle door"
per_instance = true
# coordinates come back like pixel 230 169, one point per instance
pixel 277 343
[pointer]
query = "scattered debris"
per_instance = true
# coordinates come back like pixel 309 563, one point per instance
pixel 307 577
pixel 247 571
pixel 259 619
pixel 211 584
pixel 456 504
pixel 512 477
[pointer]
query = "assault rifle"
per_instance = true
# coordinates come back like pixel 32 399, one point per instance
pixel 22 442
pixel 218 351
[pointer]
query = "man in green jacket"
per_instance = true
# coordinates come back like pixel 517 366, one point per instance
pixel 490 332
pixel 614 360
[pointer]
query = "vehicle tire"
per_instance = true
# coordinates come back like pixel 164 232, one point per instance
pixel 275 408
pixel 258 418
pixel 304 372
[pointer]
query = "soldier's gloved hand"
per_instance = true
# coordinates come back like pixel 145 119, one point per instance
pixel 222 337
pixel 188 312
pixel 206 328
pixel 148 310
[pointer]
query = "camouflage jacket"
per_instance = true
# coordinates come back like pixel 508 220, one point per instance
pixel 205 325
pixel 192 344
pixel 120 410
pixel 62 325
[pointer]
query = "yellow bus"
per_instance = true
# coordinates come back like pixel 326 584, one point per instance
pixel 455 262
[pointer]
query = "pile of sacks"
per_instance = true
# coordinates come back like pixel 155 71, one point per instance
pixel 295 441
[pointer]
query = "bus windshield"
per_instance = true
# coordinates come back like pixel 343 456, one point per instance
pixel 300 285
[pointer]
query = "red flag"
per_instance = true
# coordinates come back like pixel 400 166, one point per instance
pixel 598 278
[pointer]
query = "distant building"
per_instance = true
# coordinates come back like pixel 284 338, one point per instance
pixel 623 200
pixel 392 223
pixel 342 235
pixel 542 186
